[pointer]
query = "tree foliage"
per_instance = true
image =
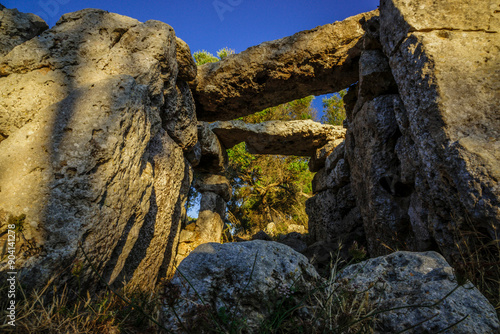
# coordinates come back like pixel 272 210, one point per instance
pixel 270 188
pixel 333 108
pixel 204 57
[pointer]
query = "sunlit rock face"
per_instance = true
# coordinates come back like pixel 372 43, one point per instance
pixel 87 109
pixel 442 58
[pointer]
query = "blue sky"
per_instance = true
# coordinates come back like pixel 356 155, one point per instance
pixel 214 24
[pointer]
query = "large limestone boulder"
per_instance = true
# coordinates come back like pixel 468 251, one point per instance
pixel 420 294
pixel 443 55
pixel 300 138
pixel 244 281
pixel 86 165
pixel 314 62
pixel 17 28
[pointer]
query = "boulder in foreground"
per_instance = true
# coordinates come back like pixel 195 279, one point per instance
pixel 242 280
pixel 421 294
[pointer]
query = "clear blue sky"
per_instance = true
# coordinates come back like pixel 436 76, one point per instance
pixel 214 24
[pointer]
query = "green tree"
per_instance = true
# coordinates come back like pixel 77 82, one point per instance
pixel 333 108
pixel 269 188
pixel 203 57
pixel 224 52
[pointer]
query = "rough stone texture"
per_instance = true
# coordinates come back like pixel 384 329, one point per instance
pixel 152 255
pixel 321 181
pixel 296 228
pixel 179 116
pixel 381 195
pixel 314 62
pixel 419 282
pixel 44 70
pixel 334 216
pixel 194 154
pixel 399 18
pixel 318 160
pixel 218 184
pixel 375 77
pixel 337 154
pixel 271 229
pixel 443 58
pixel 187 65
pixel 294 240
pixel 86 158
pixel 300 138
pixel 240 277
pixel 16 28
pixel 371 38
pixel 336 178
pixel 208 226
pixel 211 218
pixel 213 158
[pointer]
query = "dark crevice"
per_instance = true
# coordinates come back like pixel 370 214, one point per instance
pixel 116 36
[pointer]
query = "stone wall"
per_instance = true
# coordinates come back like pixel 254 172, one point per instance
pixel 422 142
pixel 96 122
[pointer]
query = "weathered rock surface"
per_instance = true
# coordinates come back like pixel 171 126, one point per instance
pixel 17 28
pixel 213 183
pixel 300 138
pixel 375 77
pixel 401 17
pixel 381 195
pixel 334 216
pixel 294 240
pixel 85 157
pixel 318 160
pixel 210 218
pixel 442 58
pixel 423 287
pixel 240 279
pixel 213 155
pixel 187 65
pixel 422 145
pixel 215 192
pixel 314 62
pixel 179 117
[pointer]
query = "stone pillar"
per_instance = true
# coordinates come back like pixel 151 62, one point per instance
pixel 215 190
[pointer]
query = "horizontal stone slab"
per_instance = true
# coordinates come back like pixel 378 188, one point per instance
pixel 299 138
pixel 313 62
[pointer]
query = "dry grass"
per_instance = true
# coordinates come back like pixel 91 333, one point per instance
pixel 332 307
pixel 479 261
pixel 105 313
